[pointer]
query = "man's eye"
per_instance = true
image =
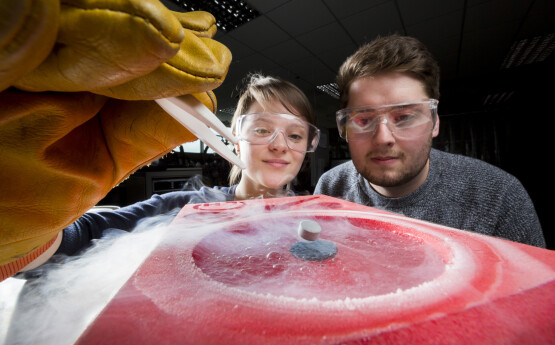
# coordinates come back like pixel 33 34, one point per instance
pixel 361 121
pixel 404 117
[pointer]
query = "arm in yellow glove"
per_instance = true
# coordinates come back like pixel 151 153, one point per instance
pixel 63 151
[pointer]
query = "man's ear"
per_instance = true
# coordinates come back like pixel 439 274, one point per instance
pixel 435 131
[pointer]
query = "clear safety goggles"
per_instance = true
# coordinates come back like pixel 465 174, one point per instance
pixel 263 128
pixel 404 120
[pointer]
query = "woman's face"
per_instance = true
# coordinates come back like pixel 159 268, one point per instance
pixel 271 165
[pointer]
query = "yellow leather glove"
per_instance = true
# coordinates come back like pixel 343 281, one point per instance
pixel 130 49
pixel 27 34
pixel 83 120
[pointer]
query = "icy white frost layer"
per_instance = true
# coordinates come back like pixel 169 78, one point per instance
pixel 459 268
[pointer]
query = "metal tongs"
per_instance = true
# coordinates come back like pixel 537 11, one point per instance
pixel 197 118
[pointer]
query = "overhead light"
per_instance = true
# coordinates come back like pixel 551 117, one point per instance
pixel 229 14
pixel 227 110
pixel 529 50
pixel 330 89
pixel 498 98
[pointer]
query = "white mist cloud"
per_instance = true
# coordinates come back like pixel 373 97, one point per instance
pixel 56 307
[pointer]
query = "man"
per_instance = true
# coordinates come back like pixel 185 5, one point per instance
pixel 389 90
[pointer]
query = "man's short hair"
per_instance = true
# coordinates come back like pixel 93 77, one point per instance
pixel 390 54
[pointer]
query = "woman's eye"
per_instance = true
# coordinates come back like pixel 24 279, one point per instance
pixel 295 137
pixel 261 131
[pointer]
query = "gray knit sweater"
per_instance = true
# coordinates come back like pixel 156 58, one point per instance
pixel 460 192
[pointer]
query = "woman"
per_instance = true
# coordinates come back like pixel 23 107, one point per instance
pixel 276 127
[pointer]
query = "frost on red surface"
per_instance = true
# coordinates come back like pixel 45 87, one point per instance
pixel 224 274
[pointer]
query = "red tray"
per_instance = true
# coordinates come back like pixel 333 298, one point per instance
pixel 223 274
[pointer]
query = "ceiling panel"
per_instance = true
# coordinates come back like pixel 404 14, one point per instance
pixel 494 13
pixel 325 38
pixel 311 70
pixel 259 34
pixel 427 31
pixel 379 20
pixel 334 58
pixel 287 52
pixel 264 6
pixel 341 8
pixel 417 12
pixel 300 16
pixel 539 20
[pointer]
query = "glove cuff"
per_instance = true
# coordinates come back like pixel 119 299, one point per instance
pixel 13 267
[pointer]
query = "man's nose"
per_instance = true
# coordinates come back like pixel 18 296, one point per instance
pixel 383 133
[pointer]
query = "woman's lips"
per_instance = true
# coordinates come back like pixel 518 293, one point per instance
pixel 276 163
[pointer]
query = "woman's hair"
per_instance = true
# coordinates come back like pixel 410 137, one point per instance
pixel 390 54
pixel 264 90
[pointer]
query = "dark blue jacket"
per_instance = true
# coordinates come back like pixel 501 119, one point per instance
pixel 92 225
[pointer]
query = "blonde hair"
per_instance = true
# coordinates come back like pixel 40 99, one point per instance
pixel 263 90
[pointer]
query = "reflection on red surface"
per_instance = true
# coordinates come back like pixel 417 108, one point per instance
pixel 229 279
pixel 373 261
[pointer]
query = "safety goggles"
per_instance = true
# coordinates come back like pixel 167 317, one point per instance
pixel 404 120
pixel 263 128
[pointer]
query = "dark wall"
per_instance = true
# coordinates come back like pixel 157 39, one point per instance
pixel 529 151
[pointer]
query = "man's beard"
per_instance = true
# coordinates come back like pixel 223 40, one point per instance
pixel 397 177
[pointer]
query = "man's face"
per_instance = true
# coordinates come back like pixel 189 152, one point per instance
pixel 393 166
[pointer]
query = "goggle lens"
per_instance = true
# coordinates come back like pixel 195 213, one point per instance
pixel 404 120
pixel 263 128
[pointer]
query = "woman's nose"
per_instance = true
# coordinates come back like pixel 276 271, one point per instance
pixel 279 142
